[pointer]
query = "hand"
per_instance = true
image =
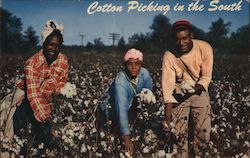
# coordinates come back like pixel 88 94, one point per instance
pixel 129 146
pixel 198 89
pixel 186 87
pixel 167 117
pixel 53 128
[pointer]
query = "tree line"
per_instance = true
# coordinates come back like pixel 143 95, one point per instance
pixel 158 40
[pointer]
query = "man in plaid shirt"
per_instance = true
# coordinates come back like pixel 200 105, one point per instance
pixel 46 72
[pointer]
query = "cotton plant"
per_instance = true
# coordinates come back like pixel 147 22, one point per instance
pixel 76 119
pixel 12 146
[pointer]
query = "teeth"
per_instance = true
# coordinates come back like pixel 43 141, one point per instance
pixel 51 53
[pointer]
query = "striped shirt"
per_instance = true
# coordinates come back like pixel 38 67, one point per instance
pixel 42 81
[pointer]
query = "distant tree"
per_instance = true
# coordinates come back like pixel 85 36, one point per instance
pixel 121 44
pixel 239 40
pixel 89 46
pixel 30 39
pixel 11 36
pixel 98 44
pixel 218 33
pixel 199 33
pixel 161 36
pixel 141 42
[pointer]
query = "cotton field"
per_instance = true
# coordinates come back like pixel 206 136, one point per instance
pixel 77 116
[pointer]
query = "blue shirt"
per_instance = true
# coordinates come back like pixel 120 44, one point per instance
pixel 122 93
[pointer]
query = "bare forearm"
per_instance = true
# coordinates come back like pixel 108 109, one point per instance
pixel 168 110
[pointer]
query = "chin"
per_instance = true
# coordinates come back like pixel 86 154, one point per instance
pixel 133 76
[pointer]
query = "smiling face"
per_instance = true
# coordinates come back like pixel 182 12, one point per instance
pixel 133 67
pixel 51 49
pixel 184 40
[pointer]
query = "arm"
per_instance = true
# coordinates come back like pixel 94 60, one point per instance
pixel 207 66
pixel 121 106
pixel 168 112
pixel 38 103
pixel 168 86
pixel 168 78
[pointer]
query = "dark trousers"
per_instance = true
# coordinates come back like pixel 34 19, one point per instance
pixel 39 131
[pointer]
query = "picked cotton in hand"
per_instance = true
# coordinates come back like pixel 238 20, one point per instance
pixel 69 90
pixel 187 86
pixel 147 96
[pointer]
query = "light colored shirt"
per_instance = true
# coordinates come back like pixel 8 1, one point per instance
pixel 43 80
pixel 199 62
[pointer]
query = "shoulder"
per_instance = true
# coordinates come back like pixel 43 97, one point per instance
pixel 62 57
pixel 202 44
pixel 61 61
pixel 34 59
pixel 205 48
pixel 121 78
pixel 144 71
pixel 169 55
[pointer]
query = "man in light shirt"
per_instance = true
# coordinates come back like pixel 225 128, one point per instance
pixel 189 66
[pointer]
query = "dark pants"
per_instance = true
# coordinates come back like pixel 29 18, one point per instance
pixel 39 131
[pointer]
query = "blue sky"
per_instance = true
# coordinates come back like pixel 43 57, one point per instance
pixel 73 14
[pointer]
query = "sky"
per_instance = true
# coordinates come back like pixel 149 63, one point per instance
pixel 92 19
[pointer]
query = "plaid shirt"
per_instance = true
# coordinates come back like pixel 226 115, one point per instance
pixel 42 81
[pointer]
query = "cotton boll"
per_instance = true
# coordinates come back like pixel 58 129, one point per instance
pixel 83 148
pixel 102 134
pixel 41 146
pixel 95 101
pixel 161 153
pixel 147 96
pixel 81 136
pixel 127 155
pixel 86 103
pixel 247 144
pixel 98 154
pixel 112 138
pixel 104 145
pixel 121 155
pixel 146 149
pixel 93 131
pixel 187 86
pixel 69 90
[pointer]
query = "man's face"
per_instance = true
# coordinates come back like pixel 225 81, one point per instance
pixel 184 41
pixel 51 49
pixel 133 67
